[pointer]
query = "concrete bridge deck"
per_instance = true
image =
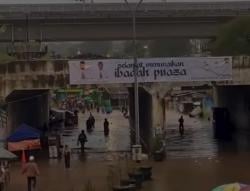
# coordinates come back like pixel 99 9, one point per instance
pixel 78 21
pixel 115 7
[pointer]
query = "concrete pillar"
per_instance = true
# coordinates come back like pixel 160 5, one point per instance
pixel 236 100
pixel 158 111
pixel 145 109
pixel 152 115
pixel 220 96
pixel 3 129
pixel 44 110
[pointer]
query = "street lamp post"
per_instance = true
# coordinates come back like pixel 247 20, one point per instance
pixel 135 69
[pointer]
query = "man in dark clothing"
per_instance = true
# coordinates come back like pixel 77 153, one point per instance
pixel 106 127
pixel 92 120
pixel 89 125
pixel 67 156
pixel 181 125
pixel 82 139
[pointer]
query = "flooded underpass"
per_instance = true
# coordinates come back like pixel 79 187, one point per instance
pixel 99 147
pixel 198 139
pixel 195 162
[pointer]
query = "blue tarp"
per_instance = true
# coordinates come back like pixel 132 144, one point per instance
pixel 24 132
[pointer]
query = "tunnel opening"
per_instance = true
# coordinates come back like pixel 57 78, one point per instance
pixel 28 106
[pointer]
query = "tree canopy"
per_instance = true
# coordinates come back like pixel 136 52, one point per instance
pixel 71 49
pixel 129 48
pixel 233 38
pixel 4 58
pixel 160 48
pixel 170 47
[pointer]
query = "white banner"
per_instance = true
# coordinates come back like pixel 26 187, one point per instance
pixel 150 70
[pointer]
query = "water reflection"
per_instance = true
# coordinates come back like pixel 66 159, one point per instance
pixel 194 162
pixel 99 146
pixel 198 140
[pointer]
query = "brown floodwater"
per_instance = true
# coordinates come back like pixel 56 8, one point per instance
pixel 194 162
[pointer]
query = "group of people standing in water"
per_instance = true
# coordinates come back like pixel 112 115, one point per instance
pixel 82 138
pixel 90 125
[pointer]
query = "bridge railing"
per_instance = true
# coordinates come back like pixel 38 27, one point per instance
pixel 213 6
pixel 120 14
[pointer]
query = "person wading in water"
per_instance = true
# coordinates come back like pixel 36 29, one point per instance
pixel 181 125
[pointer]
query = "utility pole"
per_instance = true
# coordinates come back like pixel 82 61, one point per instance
pixel 134 10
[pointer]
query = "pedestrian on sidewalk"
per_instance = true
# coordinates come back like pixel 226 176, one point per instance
pixel 82 139
pixel 67 156
pixel 31 171
pixel 181 125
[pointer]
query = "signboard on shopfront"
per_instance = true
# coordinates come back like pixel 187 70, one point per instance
pixel 150 70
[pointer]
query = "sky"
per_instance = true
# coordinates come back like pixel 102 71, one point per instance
pixel 98 1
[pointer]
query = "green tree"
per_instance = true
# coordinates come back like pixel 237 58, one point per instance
pixel 129 48
pixel 4 58
pixel 233 38
pixel 70 49
pixel 97 47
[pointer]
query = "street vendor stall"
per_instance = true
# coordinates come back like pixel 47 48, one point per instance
pixel 24 138
pixel 5 155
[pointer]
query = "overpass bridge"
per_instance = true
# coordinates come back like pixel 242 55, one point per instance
pixel 112 21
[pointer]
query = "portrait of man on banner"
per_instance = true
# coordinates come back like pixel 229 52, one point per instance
pixel 87 70
pixel 100 67
pixel 82 68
